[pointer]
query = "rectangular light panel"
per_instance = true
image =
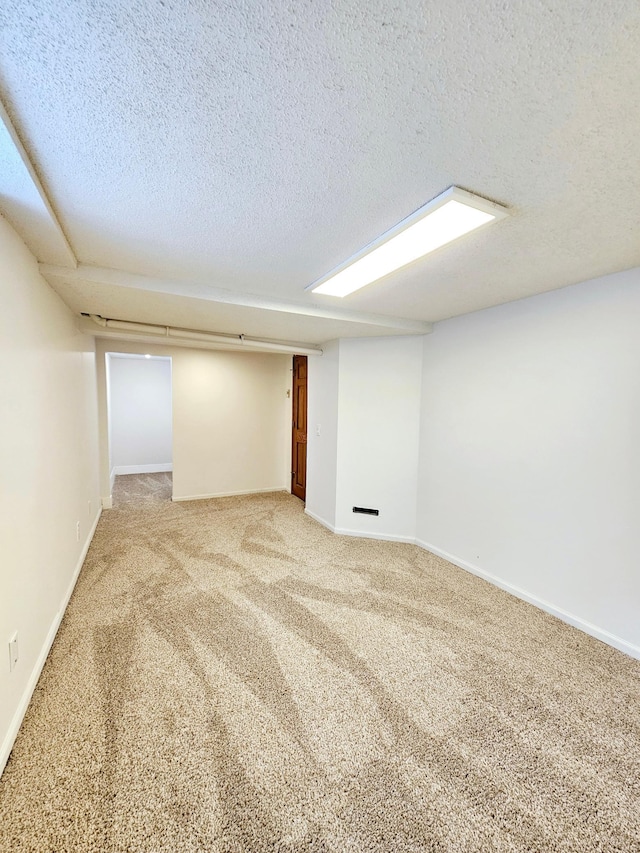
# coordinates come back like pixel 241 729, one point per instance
pixel 451 215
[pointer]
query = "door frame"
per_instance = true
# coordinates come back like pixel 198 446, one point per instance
pixel 298 483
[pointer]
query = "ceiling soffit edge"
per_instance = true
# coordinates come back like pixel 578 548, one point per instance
pixel 194 290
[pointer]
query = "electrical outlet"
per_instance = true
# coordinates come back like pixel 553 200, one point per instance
pixel 77 531
pixel 13 652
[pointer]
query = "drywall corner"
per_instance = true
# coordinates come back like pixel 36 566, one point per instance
pixel 322 434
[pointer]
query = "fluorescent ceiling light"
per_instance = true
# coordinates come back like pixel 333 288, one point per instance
pixel 453 213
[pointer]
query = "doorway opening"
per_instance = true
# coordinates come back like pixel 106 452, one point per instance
pixel 140 433
pixel 299 428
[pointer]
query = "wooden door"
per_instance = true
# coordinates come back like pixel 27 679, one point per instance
pixel 299 431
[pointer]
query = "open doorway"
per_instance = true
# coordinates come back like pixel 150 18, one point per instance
pixel 299 428
pixel 139 402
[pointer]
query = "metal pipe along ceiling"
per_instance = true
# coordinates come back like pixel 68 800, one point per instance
pixel 192 335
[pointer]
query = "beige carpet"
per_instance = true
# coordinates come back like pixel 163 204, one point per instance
pixel 230 676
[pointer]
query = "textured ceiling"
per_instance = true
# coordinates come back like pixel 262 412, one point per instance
pixel 255 145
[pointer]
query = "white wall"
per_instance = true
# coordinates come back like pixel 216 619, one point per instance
pixel 530 456
pixel 231 420
pixel 365 394
pixel 140 414
pixel 378 435
pixel 232 423
pixel 322 449
pixel 48 469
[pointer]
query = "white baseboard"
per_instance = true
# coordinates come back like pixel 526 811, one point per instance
pixel 153 468
pixel 227 494
pixel 21 710
pixel 366 534
pixel 112 478
pixel 320 520
pixel 360 534
pixel 107 503
pixel 593 630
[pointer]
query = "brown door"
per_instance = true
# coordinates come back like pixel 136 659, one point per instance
pixel 299 432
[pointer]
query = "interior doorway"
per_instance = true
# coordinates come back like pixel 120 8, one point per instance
pixel 299 428
pixel 139 412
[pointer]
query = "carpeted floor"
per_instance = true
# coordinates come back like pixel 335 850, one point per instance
pixel 230 676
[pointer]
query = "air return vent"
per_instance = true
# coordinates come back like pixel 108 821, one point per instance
pixel 365 510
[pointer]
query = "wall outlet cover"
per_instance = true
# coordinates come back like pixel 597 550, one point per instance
pixel 13 651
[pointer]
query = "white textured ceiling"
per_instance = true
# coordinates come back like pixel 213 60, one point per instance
pixel 252 146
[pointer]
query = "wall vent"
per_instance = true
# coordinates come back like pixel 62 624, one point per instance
pixel 365 510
